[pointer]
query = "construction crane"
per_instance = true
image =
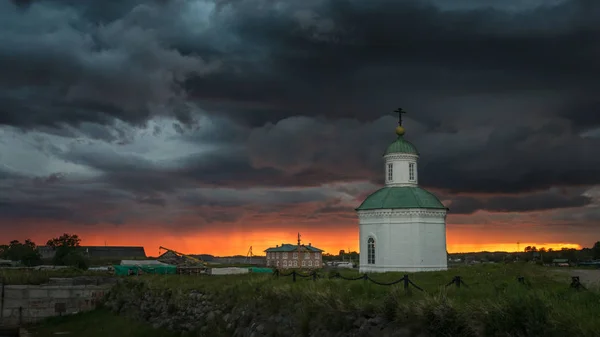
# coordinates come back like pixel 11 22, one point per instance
pixel 191 258
pixel 249 256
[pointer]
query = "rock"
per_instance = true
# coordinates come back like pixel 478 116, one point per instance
pixel 194 311
pixel 376 321
pixel 239 331
pixel 359 322
pixel 187 326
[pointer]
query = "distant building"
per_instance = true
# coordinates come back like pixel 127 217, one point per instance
pixel 294 256
pixel 561 262
pixel 46 252
pixel 170 258
pixel 340 264
pixel 100 252
pixel 6 263
pixel 239 259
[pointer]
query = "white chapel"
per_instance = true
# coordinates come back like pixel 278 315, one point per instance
pixel 402 227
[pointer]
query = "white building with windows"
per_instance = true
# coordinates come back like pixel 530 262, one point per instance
pixel 402 226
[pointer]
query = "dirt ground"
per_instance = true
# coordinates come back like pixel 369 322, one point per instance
pixel 589 277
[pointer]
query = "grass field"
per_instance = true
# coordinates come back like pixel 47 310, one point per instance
pixel 30 276
pixel 98 323
pixel 492 304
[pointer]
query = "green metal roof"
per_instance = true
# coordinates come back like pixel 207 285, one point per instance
pixel 401 145
pixel 401 197
pixel 286 247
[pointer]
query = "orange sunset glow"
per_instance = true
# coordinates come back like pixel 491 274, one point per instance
pixel 237 241
pixel 209 127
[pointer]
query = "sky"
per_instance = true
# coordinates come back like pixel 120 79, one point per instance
pixel 213 126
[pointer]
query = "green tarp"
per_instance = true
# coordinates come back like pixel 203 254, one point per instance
pixel 261 270
pixel 144 269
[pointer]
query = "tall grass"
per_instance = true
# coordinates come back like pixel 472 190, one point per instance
pixel 99 323
pixel 34 277
pixel 494 303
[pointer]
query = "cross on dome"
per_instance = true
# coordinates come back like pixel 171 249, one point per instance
pixel 400 129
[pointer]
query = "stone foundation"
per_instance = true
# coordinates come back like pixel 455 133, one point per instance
pixel 23 304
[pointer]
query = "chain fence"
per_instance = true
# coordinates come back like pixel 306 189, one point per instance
pixel 457 281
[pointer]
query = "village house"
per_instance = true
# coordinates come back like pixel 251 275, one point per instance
pixel 100 252
pixel 294 256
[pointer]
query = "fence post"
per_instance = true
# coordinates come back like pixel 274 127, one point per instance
pixel 575 283
pixel 406 282
pixel 365 277
pixel 457 281
pixel 276 273
pixel 314 275
pixel 2 298
pixel 294 276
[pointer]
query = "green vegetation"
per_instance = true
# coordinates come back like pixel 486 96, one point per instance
pixel 493 303
pixel 68 251
pixel 67 248
pixel 532 253
pixel 99 323
pixel 25 252
pixel 31 276
pixel 482 280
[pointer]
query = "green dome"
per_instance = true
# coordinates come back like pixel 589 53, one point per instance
pixel 401 145
pixel 401 197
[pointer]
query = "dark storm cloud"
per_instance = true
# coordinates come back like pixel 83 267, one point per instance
pixel 218 170
pixel 58 66
pixel 237 198
pixel 86 61
pixel 497 93
pixel 353 59
pixel 14 210
pixel 583 112
pixel 507 160
pixel 55 197
pixel 523 203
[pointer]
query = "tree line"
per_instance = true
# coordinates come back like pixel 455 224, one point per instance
pixel 67 252
pixel 530 253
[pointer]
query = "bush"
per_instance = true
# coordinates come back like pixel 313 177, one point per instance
pixel 76 260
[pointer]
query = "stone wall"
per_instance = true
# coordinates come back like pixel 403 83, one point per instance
pixel 22 304
pixel 233 315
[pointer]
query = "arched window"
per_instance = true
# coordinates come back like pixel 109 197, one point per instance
pixel 371 251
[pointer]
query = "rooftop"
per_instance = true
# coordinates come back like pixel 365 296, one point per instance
pixel 286 247
pixel 401 145
pixel 395 197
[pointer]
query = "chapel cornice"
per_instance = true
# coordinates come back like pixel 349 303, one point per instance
pixel 401 156
pixel 402 213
